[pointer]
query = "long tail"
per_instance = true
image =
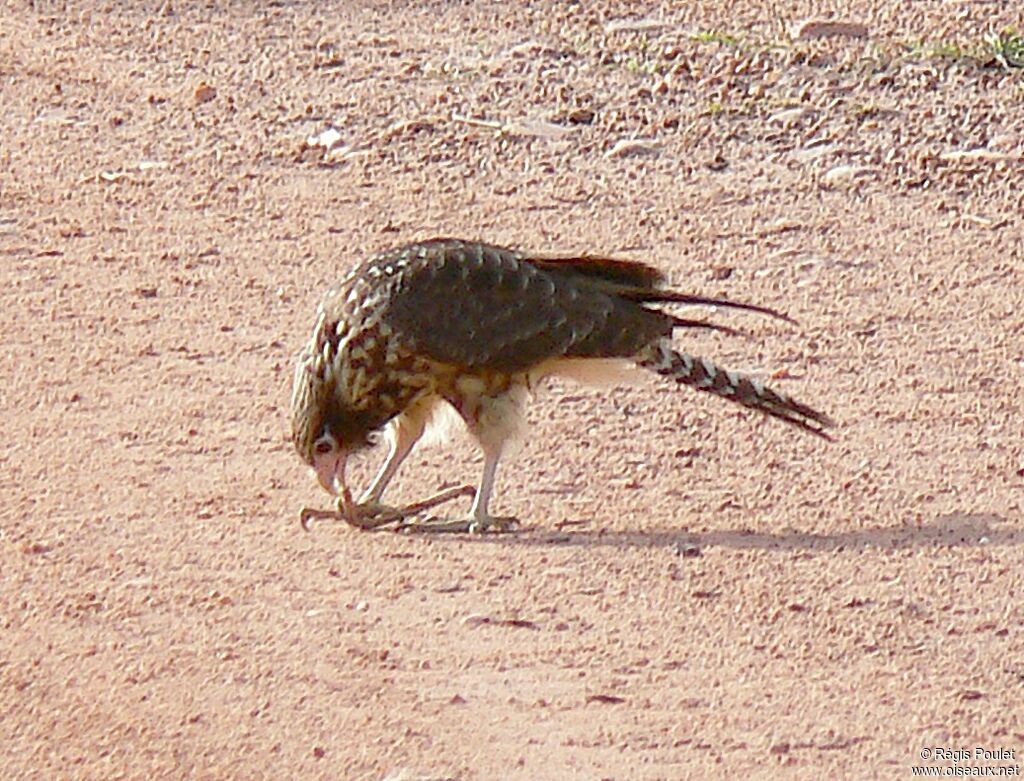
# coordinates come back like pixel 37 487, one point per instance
pixel 702 374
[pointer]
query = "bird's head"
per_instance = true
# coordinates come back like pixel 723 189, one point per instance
pixel 325 429
pixel 317 442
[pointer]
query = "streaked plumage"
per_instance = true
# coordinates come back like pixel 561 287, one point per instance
pixel 474 326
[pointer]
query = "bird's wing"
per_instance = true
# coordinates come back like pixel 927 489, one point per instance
pixel 636 281
pixel 484 307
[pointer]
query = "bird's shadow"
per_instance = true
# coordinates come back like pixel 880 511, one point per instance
pixel 951 530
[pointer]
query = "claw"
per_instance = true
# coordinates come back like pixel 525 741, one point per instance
pixel 494 525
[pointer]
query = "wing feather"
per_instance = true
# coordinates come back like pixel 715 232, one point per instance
pixel 483 307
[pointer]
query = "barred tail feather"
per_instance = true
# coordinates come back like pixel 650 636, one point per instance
pixel 704 375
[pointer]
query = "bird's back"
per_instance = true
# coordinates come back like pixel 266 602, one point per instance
pixel 482 307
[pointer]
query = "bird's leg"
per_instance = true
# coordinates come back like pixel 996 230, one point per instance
pixel 405 433
pixel 480 520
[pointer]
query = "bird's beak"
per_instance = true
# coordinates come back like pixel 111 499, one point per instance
pixel 327 470
pixel 331 475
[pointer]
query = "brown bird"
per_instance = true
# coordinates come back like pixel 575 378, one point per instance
pixel 475 326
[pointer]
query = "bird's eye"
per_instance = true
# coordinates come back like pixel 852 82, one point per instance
pixel 324 445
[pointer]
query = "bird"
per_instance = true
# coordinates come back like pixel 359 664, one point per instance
pixel 473 327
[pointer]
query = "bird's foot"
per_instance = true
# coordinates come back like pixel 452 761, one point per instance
pixel 366 517
pixel 371 516
pixel 487 525
pixel 374 515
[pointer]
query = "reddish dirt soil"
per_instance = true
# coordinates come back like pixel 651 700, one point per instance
pixel 698 592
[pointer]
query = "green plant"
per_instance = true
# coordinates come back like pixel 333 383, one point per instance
pixel 717 36
pixel 939 49
pixel 1007 47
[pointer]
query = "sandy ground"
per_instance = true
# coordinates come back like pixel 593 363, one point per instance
pixel 698 592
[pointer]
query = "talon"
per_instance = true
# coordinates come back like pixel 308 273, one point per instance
pixel 307 514
pixel 495 525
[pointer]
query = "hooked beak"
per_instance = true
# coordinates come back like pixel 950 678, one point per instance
pixel 331 475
